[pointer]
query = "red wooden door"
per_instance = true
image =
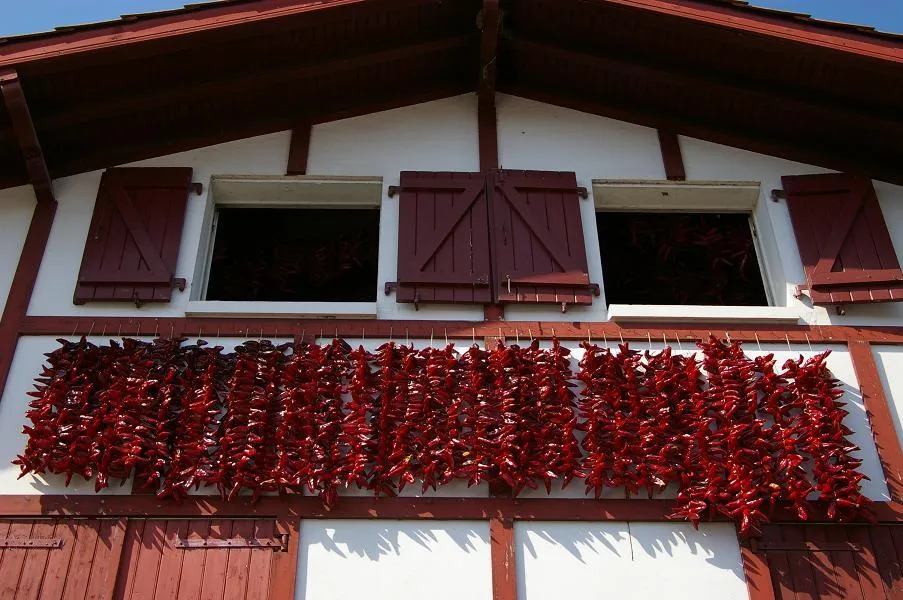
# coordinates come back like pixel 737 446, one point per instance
pixel 834 562
pixel 228 559
pixel 53 559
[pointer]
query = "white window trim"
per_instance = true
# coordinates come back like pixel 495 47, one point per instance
pixel 618 195
pixel 267 191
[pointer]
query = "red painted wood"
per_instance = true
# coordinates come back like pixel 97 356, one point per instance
pixel 845 571
pixel 298 150
pixel 191 579
pixel 501 540
pixel 239 562
pixel 888 563
pixel 13 559
pixel 881 420
pixel 16 307
pixel 461 331
pixel 26 136
pixel 54 584
pixel 128 567
pixel 800 564
pixel 169 578
pixel 443 245
pixel 35 563
pixel 866 563
pixel 671 155
pixel 537 238
pixel 260 565
pixel 107 557
pixel 215 562
pixel 284 566
pixel 823 566
pixel 757 573
pixel 134 237
pixel 847 253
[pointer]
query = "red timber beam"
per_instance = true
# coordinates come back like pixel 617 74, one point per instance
pixel 880 417
pixel 299 149
pixel 487 119
pixel 463 331
pixel 671 156
pixel 398 508
pixel 22 286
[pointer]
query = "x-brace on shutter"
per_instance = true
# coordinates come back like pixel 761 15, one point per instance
pixel 846 250
pixel 505 236
pixel 133 242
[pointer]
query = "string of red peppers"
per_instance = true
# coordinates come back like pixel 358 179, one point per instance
pixel 735 437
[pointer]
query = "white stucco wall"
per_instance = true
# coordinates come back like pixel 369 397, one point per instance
pixel 628 560
pixel 889 360
pixel 16 207
pixel 403 560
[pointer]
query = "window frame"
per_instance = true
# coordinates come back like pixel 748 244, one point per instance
pixel 743 197
pixel 265 191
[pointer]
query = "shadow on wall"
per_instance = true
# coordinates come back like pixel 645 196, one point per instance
pixel 388 539
pixel 634 542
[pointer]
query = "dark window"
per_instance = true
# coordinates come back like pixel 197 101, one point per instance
pixel 295 255
pixel 679 258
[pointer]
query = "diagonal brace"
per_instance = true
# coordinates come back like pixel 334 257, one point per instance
pixel 26 136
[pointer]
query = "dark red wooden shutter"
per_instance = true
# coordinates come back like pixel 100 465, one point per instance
pixel 133 242
pixel 443 238
pixel 537 238
pixel 60 558
pixel 843 240
pixel 836 562
pixel 203 558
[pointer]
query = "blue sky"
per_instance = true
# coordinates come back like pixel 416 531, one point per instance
pixel 26 16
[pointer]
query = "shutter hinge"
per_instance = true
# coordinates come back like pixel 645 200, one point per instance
pixel 280 543
pixel 31 543
pixel 197 187
pixel 179 283
pixel 778 195
pixel 390 286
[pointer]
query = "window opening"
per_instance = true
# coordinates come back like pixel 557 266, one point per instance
pixel 680 258
pixel 294 255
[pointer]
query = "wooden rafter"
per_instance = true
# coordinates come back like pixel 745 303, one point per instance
pixel 489 43
pixel 235 85
pixel 26 136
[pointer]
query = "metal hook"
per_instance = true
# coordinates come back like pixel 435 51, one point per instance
pixel 589 337
pixel 664 339
pixel 621 336
pixel 407 337
pixel 758 343
pixel 809 343
pixel 517 335
pixel 680 347
pixel 75 328
pixel 104 332
pixel 157 328
pixel 649 337
pixel 431 337
pixel 530 333
pixel 473 332
pixel 217 334
pixel 787 338
pixel 92 328
pixel 446 336
pixel 728 336
pixel 554 335
pixel 391 331
pixel 119 333
pixel 605 339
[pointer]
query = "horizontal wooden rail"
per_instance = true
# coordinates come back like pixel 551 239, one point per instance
pixel 210 328
pixel 306 507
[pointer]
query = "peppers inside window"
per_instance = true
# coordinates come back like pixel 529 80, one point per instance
pixel 683 258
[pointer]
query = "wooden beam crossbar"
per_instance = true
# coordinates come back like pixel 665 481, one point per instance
pixel 672 334
pixel 26 136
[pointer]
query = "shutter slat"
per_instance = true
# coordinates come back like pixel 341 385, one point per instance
pixel 537 238
pixel 133 242
pixel 845 247
pixel 443 238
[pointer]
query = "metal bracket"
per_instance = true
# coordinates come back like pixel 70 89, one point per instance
pixel 180 283
pixel 778 195
pixel 390 286
pixel 393 190
pixel 197 188
pixel 31 543
pixel 280 544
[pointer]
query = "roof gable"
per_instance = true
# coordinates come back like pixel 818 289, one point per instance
pixel 774 82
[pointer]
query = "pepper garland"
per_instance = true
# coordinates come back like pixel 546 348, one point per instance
pixel 736 437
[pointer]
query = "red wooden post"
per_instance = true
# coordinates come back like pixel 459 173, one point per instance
pixel 671 155
pixel 879 414
pixel 501 539
pixel 298 150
